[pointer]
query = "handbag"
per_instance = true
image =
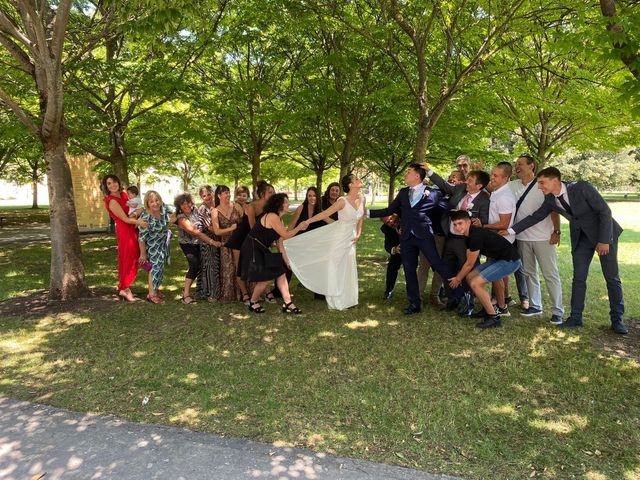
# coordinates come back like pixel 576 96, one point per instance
pixel 271 259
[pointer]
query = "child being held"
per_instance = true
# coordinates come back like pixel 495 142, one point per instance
pixel 135 202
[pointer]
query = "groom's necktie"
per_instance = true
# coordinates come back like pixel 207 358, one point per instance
pixel 565 204
pixel 410 195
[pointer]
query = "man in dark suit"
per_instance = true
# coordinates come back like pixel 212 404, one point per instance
pixel 593 229
pixel 471 196
pixel 414 203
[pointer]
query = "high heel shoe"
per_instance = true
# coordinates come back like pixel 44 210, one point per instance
pixel 255 307
pixel 290 308
pixel 246 299
pixel 122 295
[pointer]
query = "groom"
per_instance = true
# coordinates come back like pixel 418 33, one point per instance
pixel 414 204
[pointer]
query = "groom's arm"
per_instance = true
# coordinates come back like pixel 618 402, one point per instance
pixel 394 207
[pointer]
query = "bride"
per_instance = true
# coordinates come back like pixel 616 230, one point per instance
pixel 324 259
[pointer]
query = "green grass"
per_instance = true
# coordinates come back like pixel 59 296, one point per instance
pixel 24 215
pixel 427 391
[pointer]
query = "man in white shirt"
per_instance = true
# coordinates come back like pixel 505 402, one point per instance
pixel 502 207
pixel 537 244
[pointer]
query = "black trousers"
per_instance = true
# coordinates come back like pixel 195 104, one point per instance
pixel 393 266
pixel 410 248
pixel 192 252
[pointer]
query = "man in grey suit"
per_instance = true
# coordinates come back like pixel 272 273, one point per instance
pixel 593 229
pixel 469 196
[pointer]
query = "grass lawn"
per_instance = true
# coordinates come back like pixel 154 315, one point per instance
pixel 429 391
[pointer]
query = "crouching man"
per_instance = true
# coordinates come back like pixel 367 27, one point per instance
pixel 503 260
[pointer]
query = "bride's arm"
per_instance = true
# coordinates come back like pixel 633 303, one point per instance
pixel 338 205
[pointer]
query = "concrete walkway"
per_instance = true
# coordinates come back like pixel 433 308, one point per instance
pixel 37 439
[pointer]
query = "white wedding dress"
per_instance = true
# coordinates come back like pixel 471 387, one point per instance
pixel 324 259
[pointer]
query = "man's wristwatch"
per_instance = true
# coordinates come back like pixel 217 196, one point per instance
pixel 557 232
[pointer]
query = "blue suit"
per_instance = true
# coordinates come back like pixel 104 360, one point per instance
pixel 590 222
pixel 417 236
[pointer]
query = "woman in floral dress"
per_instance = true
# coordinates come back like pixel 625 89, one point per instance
pixel 155 246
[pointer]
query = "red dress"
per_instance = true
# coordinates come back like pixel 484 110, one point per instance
pixel 128 248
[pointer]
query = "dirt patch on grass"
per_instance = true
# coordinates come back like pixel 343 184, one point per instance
pixel 37 304
pixel 622 346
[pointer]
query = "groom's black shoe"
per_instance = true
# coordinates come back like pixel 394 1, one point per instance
pixel 387 295
pixel 411 309
pixel 619 327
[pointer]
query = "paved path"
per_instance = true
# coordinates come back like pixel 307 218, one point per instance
pixel 22 234
pixel 37 439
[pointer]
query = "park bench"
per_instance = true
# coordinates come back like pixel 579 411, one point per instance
pixel 3 219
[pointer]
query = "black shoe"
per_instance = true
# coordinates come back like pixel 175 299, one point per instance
pixel 491 321
pixel 570 323
pixel 482 313
pixel 411 309
pixel 387 295
pixel 619 327
pixel 503 311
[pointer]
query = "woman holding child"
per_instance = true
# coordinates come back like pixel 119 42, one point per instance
pixel 115 202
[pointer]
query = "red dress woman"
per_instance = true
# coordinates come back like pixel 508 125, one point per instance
pixel 126 235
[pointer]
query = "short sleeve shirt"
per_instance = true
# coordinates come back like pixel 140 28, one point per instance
pixel 502 201
pixel 491 244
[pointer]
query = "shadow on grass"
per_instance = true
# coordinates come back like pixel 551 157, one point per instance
pixel 426 391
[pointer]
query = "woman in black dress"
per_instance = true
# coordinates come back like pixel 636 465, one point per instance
pixel 263 191
pixel 253 268
pixel 309 208
pixel 331 194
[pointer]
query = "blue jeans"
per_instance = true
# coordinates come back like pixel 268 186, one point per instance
pixel 493 270
pixel 582 255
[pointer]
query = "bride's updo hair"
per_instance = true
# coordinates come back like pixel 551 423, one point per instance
pixel 346 180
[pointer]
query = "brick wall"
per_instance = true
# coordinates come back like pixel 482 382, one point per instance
pixel 86 192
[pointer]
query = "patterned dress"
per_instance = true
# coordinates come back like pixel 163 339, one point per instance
pixel 229 291
pixel 157 238
pixel 209 286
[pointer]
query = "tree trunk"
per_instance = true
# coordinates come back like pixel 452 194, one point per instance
pixel 295 189
pixel 392 186
pixel 423 135
pixel 34 187
pixel 608 9
pixel 67 271
pixel 255 170
pixel 319 175
pixel 119 156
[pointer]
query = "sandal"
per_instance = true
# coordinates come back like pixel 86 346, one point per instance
pixel 188 300
pixel 270 297
pixel 246 299
pixel 290 308
pixel 255 307
pixel 154 299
